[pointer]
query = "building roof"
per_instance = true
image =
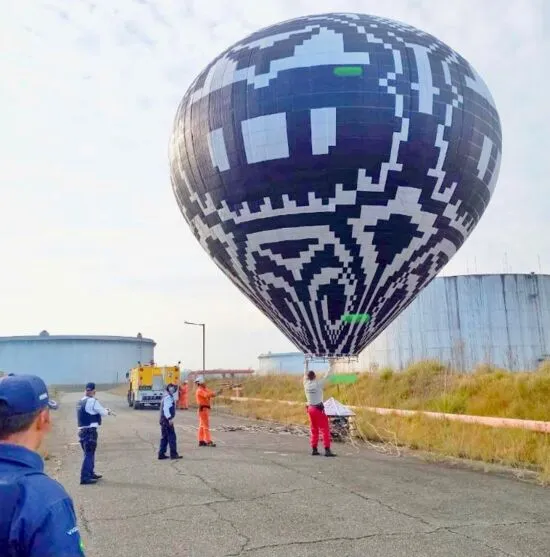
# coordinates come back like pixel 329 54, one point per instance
pixel 532 274
pixel 281 355
pixel 44 336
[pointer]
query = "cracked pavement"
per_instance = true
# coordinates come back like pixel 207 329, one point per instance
pixel 260 494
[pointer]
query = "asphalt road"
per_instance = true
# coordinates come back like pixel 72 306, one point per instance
pixel 261 494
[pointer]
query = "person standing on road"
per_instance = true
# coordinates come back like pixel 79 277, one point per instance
pixel 167 431
pixel 203 396
pixel 318 420
pixel 37 517
pixel 89 412
pixel 183 401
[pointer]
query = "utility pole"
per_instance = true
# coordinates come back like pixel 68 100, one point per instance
pixel 203 325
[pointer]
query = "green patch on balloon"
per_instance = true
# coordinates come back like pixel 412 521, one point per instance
pixel 348 71
pixel 355 318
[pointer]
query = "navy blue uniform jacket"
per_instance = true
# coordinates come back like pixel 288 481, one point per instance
pixel 44 525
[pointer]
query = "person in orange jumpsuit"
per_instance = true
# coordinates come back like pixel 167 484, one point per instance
pixel 203 397
pixel 183 400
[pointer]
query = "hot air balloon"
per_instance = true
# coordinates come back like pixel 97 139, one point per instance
pixel 331 165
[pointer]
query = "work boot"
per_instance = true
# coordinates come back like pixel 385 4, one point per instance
pixel 97 476
pixel 202 443
pixel 328 452
pixel 90 481
pixel 315 451
pixel 210 444
pixel 177 457
pixel 162 457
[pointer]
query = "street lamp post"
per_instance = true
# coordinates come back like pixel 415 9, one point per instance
pixel 203 325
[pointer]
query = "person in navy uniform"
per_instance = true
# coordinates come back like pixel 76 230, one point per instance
pixel 89 412
pixel 37 517
pixel 167 431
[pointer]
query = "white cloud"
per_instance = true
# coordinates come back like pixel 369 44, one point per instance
pixel 92 240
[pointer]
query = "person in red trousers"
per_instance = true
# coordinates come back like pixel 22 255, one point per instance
pixel 318 420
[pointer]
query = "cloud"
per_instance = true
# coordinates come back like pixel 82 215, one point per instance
pixel 92 240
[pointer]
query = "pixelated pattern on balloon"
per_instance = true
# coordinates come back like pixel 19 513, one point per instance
pixel 333 164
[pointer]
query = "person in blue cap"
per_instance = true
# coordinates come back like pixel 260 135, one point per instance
pixel 37 517
pixel 89 412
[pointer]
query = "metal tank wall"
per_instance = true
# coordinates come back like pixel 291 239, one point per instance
pixel 465 321
pixel 287 363
pixel 74 360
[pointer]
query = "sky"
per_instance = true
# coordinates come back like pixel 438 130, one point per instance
pixel 91 238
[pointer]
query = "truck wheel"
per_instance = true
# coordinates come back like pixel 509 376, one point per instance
pixel 137 405
pixel 130 401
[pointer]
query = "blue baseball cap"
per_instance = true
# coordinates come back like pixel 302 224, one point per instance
pixel 24 394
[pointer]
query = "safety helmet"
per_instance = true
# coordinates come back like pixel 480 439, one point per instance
pixel 199 379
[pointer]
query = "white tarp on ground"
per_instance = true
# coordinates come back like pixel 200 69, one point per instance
pixel 335 408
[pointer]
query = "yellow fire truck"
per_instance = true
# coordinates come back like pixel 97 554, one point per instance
pixel 146 384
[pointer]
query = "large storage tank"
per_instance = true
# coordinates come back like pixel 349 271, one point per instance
pixel 287 363
pixel 465 321
pixel 74 360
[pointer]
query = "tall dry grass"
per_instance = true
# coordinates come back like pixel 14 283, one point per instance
pixel 429 386
pixel 509 447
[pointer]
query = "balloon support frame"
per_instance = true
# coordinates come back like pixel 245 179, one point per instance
pixel 332 360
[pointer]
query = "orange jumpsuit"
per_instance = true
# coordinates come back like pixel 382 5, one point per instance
pixel 183 401
pixel 203 396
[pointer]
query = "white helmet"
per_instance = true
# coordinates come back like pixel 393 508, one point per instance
pixel 199 379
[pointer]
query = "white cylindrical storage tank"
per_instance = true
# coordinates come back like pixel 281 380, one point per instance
pixel 74 360
pixel 284 363
pixel 468 320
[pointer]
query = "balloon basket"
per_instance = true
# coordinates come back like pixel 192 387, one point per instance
pixel 340 430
